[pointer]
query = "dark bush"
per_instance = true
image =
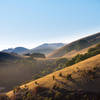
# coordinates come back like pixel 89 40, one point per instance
pixel 37 55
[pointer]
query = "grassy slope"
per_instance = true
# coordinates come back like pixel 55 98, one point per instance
pixel 91 40
pixel 74 52
pixel 77 83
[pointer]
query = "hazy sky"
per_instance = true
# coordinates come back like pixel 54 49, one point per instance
pixel 29 23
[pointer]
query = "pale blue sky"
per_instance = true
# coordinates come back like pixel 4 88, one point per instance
pixel 29 23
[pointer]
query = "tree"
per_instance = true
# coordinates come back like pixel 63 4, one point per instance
pixel 53 77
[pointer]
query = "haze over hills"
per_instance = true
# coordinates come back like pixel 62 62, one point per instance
pixel 80 79
pixel 45 48
pixel 49 49
pixel 8 56
pixel 16 72
pixel 18 50
pixel 76 46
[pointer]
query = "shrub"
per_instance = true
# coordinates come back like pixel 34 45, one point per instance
pixel 60 74
pixel 53 77
pixel 69 76
pixel 29 97
pixel 16 89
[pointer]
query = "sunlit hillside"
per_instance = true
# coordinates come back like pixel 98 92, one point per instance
pixel 76 77
pixel 76 46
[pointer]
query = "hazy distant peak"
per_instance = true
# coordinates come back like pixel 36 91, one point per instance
pixel 18 50
pixel 47 48
pixel 44 48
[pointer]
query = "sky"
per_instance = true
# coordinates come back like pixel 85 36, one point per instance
pixel 29 23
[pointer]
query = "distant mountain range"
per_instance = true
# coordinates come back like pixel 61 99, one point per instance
pixel 44 48
pixel 47 48
pixel 53 50
pixel 18 50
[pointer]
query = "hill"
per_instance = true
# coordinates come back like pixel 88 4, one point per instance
pixel 8 56
pixel 83 77
pixel 76 46
pixel 47 48
pixel 18 50
pixel 44 48
pixel 12 71
pixel 73 53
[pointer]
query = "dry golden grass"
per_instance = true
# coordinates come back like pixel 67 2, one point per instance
pixel 68 55
pixel 74 52
pixel 77 83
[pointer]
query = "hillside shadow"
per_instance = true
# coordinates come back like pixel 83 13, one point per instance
pixel 75 82
pixel 78 84
pixel 66 86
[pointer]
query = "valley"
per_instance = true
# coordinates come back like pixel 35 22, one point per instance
pixel 69 71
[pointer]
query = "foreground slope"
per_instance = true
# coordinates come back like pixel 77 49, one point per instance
pixel 81 77
pixel 76 46
pixel 21 70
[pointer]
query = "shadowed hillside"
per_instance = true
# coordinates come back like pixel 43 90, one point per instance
pixel 8 56
pixel 76 46
pixel 18 71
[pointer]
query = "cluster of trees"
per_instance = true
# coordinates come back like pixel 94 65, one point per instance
pixel 80 57
pixel 36 55
pixel 63 62
pixel 60 63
